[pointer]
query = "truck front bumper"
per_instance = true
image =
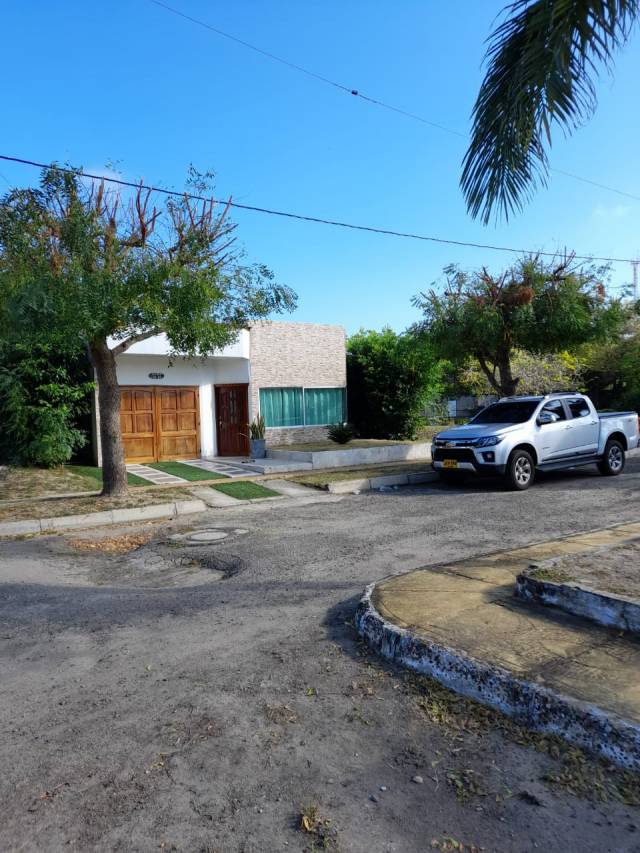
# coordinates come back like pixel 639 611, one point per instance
pixel 466 460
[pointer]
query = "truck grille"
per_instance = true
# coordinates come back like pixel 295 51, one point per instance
pixel 461 455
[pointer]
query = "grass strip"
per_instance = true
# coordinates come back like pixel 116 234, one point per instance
pixel 96 474
pixel 245 491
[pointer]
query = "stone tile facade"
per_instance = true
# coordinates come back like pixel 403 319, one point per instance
pixel 286 355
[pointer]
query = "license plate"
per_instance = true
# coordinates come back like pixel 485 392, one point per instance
pixel 450 463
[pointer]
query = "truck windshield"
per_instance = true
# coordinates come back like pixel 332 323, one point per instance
pixel 506 413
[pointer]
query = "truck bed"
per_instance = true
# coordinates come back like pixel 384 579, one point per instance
pixel 603 415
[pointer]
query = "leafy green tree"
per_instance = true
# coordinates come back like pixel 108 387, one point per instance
pixel 534 374
pixel 43 391
pixel 390 379
pixel 535 306
pixel 96 268
pixel 543 60
pixel 611 368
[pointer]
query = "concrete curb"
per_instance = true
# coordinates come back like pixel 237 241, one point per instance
pixel 98 519
pixel 534 706
pixel 601 607
pixel 343 487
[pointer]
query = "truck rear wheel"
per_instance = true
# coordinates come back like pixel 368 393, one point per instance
pixel 612 462
pixel 520 471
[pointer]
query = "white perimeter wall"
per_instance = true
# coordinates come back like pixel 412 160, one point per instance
pixel 135 369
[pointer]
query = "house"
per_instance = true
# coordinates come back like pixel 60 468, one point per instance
pixel 294 374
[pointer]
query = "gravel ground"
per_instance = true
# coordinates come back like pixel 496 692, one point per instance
pixel 200 697
pixel 613 570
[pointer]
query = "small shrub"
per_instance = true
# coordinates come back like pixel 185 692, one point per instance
pixel 257 428
pixel 52 439
pixel 341 433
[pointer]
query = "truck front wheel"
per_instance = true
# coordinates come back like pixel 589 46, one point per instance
pixel 520 471
pixel 612 462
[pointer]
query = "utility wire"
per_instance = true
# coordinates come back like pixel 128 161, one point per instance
pixel 358 94
pixel 307 71
pixel 304 218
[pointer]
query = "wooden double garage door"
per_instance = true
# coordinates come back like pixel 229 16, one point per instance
pixel 160 423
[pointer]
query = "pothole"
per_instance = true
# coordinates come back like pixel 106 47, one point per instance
pixel 156 569
pixel 217 566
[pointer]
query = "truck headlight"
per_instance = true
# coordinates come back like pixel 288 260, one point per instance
pixel 489 441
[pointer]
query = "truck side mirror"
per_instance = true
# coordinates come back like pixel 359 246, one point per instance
pixel 545 418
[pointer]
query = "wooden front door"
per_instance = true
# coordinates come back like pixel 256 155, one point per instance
pixel 138 424
pixel 232 417
pixel 178 423
pixel 160 423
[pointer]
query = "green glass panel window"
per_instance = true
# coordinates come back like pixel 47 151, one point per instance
pixel 324 406
pixel 281 407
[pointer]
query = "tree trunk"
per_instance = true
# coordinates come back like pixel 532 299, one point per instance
pixel 508 384
pixel 114 472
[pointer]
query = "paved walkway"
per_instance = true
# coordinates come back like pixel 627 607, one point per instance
pixel 158 478
pixel 161 478
pixel 228 469
pixel 468 610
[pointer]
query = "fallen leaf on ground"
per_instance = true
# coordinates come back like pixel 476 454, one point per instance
pixel 112 544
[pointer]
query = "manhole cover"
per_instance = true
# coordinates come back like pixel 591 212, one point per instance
pixel 207 536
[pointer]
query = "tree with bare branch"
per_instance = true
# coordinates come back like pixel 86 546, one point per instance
pixel 81 259
pixel 538 306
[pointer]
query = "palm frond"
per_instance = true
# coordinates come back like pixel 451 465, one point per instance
pixel 543 61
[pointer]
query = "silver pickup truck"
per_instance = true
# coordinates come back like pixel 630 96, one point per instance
pixel 518 436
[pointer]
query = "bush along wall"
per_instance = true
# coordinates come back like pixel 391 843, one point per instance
pixel 45 397
pixel 390 379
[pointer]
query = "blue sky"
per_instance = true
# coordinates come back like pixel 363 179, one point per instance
pixel 130 83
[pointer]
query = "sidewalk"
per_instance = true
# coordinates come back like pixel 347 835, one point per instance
pixel 462 625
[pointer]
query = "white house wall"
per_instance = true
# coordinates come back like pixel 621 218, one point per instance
pixel 133 369
pixel 159 345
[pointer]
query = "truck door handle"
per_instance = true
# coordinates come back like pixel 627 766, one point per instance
pixel 568 426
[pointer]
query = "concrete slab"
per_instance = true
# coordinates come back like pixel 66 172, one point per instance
pixel 290 489
pixel 462 625
pixel 214 498
pixel 279 466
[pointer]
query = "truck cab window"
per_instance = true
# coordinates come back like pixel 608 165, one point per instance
pixel 578 408
pixel 556 409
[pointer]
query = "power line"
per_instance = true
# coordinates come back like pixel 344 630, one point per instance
pixel 305 218
pixel 357 93
pixel 349 90
pixel 596 184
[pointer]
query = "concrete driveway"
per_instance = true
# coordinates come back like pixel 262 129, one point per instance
pixel 197 697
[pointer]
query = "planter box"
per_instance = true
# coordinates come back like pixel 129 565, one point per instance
pixel 258 448
pixel 348 457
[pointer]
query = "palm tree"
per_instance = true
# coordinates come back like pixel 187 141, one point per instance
pixel 543 60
